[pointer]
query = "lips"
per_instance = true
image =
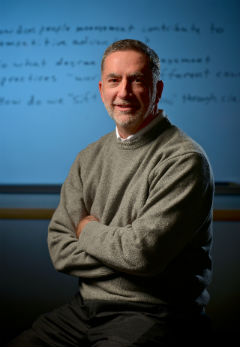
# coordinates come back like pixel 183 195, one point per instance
pixel 125 106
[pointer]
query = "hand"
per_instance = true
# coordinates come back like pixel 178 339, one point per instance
pixel 83 223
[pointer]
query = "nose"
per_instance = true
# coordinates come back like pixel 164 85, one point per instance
pixel 124 89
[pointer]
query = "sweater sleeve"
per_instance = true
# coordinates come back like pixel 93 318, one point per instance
pixel 63 244
pixel 178 205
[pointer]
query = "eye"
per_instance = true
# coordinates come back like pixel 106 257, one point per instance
pixel 113 81
pixel 138 80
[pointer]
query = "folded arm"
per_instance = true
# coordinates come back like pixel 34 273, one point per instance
pixel 63 244
pixel 179 203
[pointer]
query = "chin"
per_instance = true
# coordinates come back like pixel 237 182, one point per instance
pixel 126 123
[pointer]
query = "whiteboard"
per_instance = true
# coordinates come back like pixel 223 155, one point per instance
pixel 50 53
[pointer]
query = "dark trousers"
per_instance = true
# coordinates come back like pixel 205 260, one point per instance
pixel 108 324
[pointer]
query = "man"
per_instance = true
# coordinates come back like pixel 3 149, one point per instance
pixel 133 222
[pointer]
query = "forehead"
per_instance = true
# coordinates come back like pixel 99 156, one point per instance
pixel 126 61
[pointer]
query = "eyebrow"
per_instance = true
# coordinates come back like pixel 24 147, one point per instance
pixel 112 75
pixel 136 74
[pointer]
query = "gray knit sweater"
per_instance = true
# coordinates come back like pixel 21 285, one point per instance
pixel 153 198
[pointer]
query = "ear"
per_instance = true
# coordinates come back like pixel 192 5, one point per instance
pixel 100 86
pixel 160 86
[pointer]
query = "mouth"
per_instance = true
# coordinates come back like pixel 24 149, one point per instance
pixel 125 107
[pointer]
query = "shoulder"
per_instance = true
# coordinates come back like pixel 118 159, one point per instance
pixel 177 152
pixel 90 156
pixel 97 147
pixel 93 154
pixel 174 142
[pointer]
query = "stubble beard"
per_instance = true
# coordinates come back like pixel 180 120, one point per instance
pixel 128 120
pixel 133 120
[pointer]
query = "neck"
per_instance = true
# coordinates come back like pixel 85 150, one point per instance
pixel 147 120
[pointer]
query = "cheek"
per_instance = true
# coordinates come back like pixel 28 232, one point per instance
pixel 108 96
pixel 145 98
